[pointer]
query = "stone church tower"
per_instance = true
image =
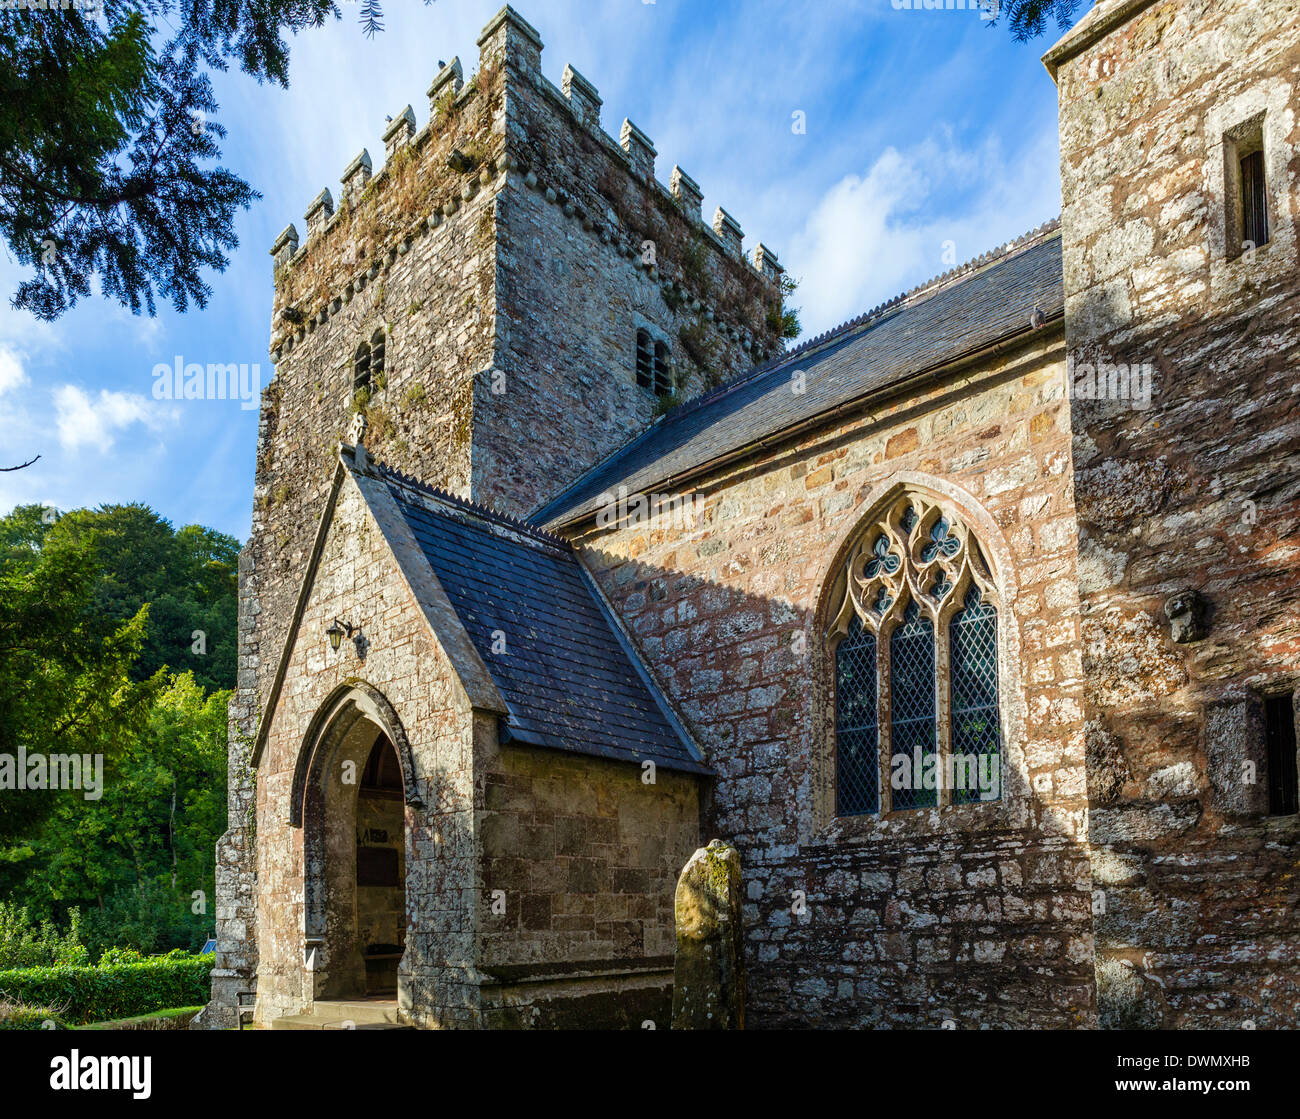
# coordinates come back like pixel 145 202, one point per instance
pixel 508 300
pixel 981 645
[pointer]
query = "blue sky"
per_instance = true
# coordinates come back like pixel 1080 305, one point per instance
pixel 925 131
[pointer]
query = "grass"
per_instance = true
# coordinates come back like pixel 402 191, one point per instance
pixel 130 1023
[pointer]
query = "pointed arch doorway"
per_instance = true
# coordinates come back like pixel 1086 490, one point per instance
pixel 354 795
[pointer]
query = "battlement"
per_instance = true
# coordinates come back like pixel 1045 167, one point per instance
pixel 475 139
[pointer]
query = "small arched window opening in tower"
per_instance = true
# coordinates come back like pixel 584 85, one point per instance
pixel 644 360
pixel 663 379
pixel 361 364
pixel 377 358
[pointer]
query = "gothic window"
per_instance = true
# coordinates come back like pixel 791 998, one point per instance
pixel 913 638
pixel 361 367
pixel 644 360
pixel 663 382
pixel 377 357
pixel 973 685
pixel 858 787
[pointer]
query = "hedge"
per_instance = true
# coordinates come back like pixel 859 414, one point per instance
pixel 93 994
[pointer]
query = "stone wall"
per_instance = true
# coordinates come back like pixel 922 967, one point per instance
pixel 508 290
pixel 579 863
pixel 409 253
pixel 975 914
pixel 358 580
pixel 1197 888
pixel 592 248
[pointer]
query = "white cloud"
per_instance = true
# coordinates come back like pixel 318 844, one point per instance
pixel 94 421
pixel 12 374
pixel 872 236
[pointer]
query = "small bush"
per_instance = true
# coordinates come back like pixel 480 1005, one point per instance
pixel 121 990
pixel 23 943
pixel 114 956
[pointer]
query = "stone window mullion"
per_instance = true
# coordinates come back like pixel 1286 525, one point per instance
pixel 943 711
pixel 883 721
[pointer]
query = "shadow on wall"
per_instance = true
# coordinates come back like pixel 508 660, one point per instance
pixel 1199 908
pixel 926 927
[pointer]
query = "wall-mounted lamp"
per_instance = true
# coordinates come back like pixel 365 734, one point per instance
pixel 337 632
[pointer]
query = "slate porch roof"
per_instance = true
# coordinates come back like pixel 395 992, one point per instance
pixel 985 302
pixel 569 677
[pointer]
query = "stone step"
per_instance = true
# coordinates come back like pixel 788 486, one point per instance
pixel 356 1010
pixel 311 1022
pixel 331 1014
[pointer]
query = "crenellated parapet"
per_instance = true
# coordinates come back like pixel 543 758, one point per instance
pixel 640 151
pixel 584 101
pixel 477 140
pixel 356 176
pixel 511 41
pixel 400 132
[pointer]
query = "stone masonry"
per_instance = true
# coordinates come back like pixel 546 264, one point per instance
pixel 971 916
pixel 507 253
pixel 1124 456
pixel 1196 888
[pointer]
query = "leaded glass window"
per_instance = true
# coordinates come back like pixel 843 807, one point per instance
pixel 973 691
pixel 912 719
pixel 914 619
pixel 857 736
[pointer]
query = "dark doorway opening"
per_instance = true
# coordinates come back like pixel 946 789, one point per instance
pixel 381 868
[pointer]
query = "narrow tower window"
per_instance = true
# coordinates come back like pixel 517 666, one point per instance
pixel 377 354
pixel 644 360
pixel 1246 187
pixel 361 367
pixel 1279 738
pixel 1254 199
pixel 663 381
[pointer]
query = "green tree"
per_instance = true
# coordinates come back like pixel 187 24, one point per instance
pixel 153 834
pixel 132 861
pixel 187 576
pixel 1027 19
pixel 65 683
pixel 107 136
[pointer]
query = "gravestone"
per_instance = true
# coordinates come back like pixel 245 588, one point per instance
pixel 709 971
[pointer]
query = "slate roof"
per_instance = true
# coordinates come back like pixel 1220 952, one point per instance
pixel 984 302
pixel 569 678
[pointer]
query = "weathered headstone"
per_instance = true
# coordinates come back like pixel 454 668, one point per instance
pixel 709 973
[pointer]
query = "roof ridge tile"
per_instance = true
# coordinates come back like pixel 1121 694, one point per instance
pixel 527 528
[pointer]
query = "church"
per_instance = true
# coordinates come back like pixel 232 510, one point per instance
pixel 971 623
